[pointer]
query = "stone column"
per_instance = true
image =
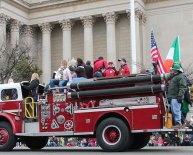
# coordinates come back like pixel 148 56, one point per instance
pixel 46 52
pixel 3 20
pixel 139 58
pixel 27 39
pixel 30 42
pixel 143 38
pixel 88 22
pixel 27 33
pixel 110 19
pixel 66 25
pixel 138 38
pixel 14 28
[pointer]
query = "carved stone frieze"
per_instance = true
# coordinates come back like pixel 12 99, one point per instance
pixel 110 17
pixel 15 24
pixel 144 19
pixel 66 24
pixel 3 18
pixel 152 1
pixel 139 14
pixel 53 3
pixel 87 21
pixel 46 27
pixel 27 30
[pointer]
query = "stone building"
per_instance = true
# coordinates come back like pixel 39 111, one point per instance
pixel 56 29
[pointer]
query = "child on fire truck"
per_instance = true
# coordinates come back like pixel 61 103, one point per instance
pixel 110 71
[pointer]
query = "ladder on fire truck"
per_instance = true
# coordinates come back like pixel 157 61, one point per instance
pixel 30 108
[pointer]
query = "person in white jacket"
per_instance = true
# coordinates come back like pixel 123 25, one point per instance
pixel 62 76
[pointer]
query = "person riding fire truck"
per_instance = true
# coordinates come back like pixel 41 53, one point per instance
pixel 120 112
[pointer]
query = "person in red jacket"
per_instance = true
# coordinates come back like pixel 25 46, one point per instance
pixel 124 69
pixel 111 70
pixel 99 65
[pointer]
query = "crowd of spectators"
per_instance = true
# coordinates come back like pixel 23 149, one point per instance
pixel 156 139
pixel 171 139
pixel 80 142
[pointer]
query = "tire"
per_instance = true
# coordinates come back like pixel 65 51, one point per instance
pixel 140 140
pixel 36 143
pixel 7 139
pixel 113 135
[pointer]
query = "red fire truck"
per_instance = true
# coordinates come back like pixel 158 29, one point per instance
pixel 119 112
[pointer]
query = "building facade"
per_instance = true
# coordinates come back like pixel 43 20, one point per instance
pixel 66 29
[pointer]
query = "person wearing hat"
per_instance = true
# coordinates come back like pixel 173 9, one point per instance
pixel 110 71
pixel 124 69
pixel 175 93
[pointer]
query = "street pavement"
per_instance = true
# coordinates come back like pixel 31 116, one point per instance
pixel 99 151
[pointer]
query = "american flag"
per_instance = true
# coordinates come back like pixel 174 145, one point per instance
pixel 155 56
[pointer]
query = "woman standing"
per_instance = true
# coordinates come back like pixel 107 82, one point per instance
pixel 33 92
pixel 33 87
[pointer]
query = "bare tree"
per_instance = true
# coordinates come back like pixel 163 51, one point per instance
pixel 10 58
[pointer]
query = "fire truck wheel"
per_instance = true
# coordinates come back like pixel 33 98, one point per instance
pixel 36 143
pixel 113 135
pixel 7 139
pixel 140 140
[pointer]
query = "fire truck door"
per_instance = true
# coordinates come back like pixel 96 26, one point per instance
pixel 10 100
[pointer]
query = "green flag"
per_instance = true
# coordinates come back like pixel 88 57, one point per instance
pixel 173 54
pixel 176 46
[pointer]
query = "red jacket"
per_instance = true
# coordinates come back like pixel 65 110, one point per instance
pixel 98 64
pixel 110 72
pixel 124 70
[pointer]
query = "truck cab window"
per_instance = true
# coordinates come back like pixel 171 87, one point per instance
pixel 9 94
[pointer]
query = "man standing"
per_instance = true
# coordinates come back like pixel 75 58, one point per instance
pixel 124 69
pixel 176 90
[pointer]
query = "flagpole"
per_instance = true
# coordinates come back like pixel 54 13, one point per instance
pixel 179 48
pixel 133 37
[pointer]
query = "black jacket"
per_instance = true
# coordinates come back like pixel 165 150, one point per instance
pixel 32 88
pixel 89 71
pixel 187 96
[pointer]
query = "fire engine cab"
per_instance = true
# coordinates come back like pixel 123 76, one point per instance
pixel 120 112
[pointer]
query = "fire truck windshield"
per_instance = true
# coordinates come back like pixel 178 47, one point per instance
pixel 9 94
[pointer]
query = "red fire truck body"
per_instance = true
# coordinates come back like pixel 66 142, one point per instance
pixel 120 121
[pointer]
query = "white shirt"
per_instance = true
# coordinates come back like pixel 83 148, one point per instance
pixel 67 75
pixel 59 73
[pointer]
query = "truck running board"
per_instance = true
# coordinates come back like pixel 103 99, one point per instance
pixel 42 134
pixel 161 130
